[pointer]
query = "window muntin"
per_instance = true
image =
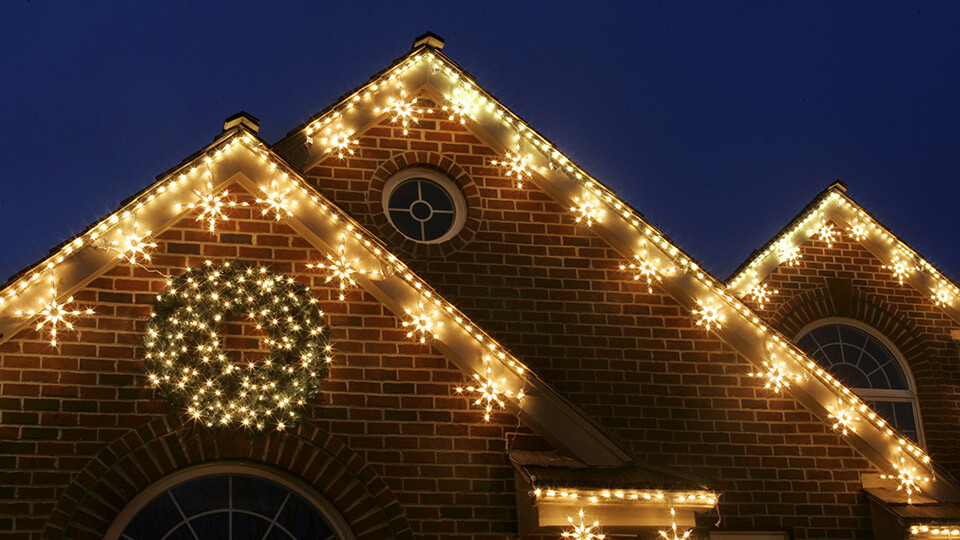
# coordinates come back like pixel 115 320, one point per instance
pixel 424 205
pixel 228 507
pixel 870 366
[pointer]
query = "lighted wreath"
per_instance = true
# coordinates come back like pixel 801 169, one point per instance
pixel 221 379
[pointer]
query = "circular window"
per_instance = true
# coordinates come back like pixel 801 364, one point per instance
pixel 424 205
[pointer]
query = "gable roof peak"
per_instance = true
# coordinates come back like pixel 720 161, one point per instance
pixel 242 118
pixel 837 185
pixel 428 39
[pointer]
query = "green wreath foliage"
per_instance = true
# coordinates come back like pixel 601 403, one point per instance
pixel 186 359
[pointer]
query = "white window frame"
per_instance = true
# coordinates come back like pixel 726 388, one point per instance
pixel 437 177
pixel 878 394
pixel 296 485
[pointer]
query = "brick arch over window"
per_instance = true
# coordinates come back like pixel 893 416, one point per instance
pixel 839 298
pixel 445 165
pixel 133 462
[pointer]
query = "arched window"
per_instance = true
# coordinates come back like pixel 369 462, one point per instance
pixel 229 502
pixel 869 365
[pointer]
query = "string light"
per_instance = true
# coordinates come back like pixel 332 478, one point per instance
pixel 341 267
pixel 942 296
pixel 776 374
pixel 673 534
pixel 492 106
pixel 276 201
pixel 583 530
pixel 132 245
pixel 900 268
pixel 403 110
pixel 422 323
pixel 461 105
pixel 489 391
pixel 339 141
pixel 844 417
pixel 516 165
pixel 185 357
pixel 761 294
pixel 709 315
pixel 645 268
pixel 54 314
pixel 790 254
pixel 700 499
pixel 858 231
pixel 908 480
pixel 935 530
pixel 588 210
pixel 828 233
pixel 212 206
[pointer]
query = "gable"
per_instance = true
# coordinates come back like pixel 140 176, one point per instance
pixel 553 292
pixel 844 282
pixel 701 296
pixel 323 225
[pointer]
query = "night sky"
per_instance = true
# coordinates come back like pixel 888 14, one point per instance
pixel 718 121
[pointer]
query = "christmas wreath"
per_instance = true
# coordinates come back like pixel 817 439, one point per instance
pixel 224 379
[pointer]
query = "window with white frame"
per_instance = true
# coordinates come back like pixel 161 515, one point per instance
pixel 867 363
pixel 424 205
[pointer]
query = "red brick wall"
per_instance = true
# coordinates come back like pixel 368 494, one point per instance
pixel 848 281
pixel 387 410
pixel 551 291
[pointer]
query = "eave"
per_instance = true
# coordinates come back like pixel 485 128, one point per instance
pixel 834 205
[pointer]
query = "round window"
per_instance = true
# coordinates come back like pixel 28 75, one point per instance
pixel 424 205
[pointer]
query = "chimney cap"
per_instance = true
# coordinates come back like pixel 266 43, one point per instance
pixel 837 185
pixel 244 119
pixel 429 40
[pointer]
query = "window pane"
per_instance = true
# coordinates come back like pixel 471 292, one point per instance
pixel 404 195
pixel 404 221
pixel 437 226
pixel 212 526
pixel 900 414
pixel 435 195
pixel 856 358
pixel 201 495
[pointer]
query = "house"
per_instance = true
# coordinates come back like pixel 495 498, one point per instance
pixel 415 317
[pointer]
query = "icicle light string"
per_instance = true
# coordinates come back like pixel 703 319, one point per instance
pixel 697 499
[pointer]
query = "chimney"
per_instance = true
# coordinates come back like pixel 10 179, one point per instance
pixel 430 40
pixel 244 119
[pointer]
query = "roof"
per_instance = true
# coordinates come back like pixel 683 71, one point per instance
pixel 835 205
pixel 614 220
pixel 624 228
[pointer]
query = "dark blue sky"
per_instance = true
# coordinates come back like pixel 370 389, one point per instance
pixel 719 121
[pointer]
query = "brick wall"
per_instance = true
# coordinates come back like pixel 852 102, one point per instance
pixel 552 292
pixel 81 433
pixel 848 281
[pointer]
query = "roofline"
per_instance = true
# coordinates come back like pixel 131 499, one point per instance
pixel 566 182
pixel 544 407
pixel 835 187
